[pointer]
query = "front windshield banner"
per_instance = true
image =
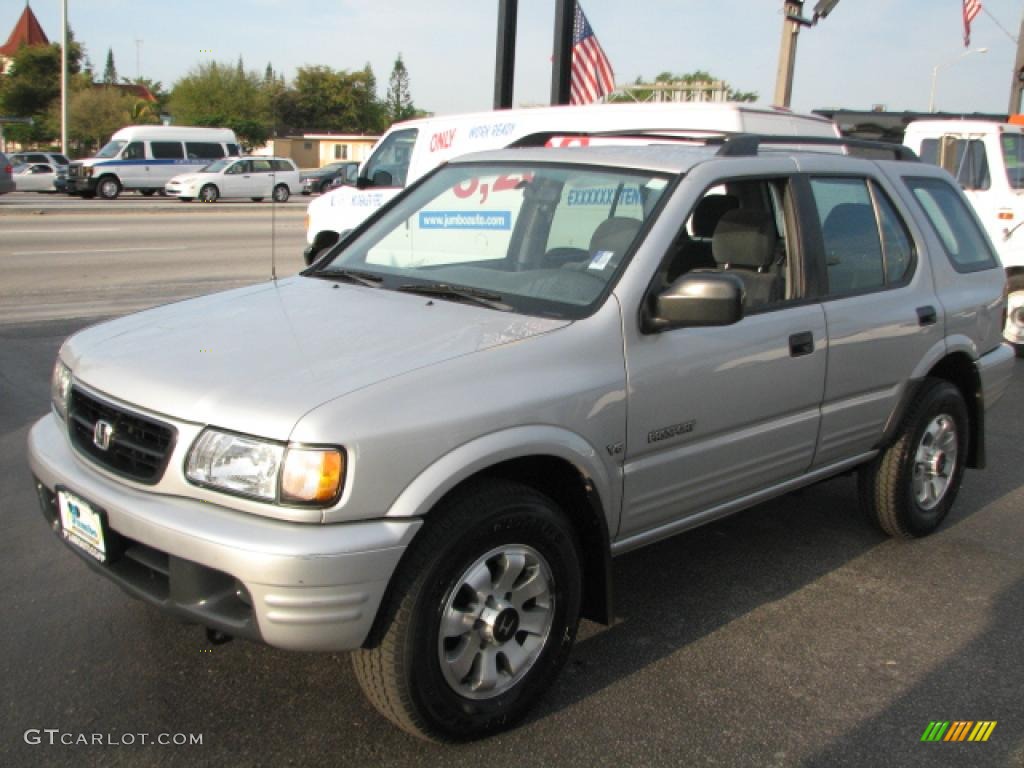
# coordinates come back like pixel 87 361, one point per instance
pixel 546 239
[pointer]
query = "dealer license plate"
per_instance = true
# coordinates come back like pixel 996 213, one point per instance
pixel 81 525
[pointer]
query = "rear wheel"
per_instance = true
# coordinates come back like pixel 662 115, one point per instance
pixel 281 193
pixel 909 489
pixel 209 193
pixel 108 187
pixel 482 615
pixel 1014 330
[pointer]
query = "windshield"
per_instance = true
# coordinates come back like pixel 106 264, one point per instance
pixel 217 166
pixel 111 149
pixel 388 166
pixel 1013 156
pixel 539 239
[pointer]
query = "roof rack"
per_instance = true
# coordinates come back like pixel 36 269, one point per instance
pixel 747 144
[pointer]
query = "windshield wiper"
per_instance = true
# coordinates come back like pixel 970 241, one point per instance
pixel 457 293
pixel 351 276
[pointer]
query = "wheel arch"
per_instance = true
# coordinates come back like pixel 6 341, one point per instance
pixel 959 370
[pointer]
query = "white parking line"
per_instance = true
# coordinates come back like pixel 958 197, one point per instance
pixel 60 231
pixel 99 250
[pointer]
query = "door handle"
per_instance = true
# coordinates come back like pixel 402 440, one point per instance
pixel 801 344
pixel 927 315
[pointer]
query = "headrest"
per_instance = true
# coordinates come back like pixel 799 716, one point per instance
pixel 708 212
pixel 744 238
pixel 614 234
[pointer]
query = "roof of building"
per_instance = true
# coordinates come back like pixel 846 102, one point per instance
pixel 27 31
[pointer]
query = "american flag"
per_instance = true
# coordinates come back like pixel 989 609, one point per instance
pixel 971 9
pixel 592 76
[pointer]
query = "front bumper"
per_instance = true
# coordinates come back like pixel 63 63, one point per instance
pixel 79 184
pixel 299 586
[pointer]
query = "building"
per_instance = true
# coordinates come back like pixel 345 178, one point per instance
pixel 27 32
pixel 313 150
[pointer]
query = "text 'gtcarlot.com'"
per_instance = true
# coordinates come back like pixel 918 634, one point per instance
pixel 55 736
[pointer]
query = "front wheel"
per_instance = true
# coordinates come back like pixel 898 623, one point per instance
pixel 909 488
pixel 108 188
pixel 209 194
pixel 281 193
pixel 481 616
pixel 1014 330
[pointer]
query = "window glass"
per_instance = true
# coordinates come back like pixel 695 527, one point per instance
pixel 853 251
pixel 134 151
pixel 261 166
pixel 281 165
pixel 965 244
pixel 388 166
pixel 110 150
pixel 166 150
pixel 586 202
pixel 233 150
pixel 1013 157
pixel 486 228
pixel 204 150
pixel 242 166
pixel 896 243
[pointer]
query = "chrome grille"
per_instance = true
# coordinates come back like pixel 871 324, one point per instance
pixel 138 448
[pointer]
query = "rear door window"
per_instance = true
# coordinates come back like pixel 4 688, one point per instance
pixel 204 150
pixel 166 150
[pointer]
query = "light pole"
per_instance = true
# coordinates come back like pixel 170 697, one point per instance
pixel 937 67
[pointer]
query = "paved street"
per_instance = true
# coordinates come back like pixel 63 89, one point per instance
pixel 792 634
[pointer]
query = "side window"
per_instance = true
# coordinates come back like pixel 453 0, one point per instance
pixel 242 166
pixel 853 250
pixel 134 151
pixel 281 165
pixel 964 242
pixel 739 226
pixel 233 150
pixel 966 159
pixel 261 166
pixel 166 150
pixel 897 247
pixel 388 166
pixel 204 150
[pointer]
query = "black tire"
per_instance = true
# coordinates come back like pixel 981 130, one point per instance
pixel 209 193
pixel 256 199
pixel 1015 317
pixel 325 186
pixel 147 192
pixel 108 187
pixel 401 670
pixel 918 463
pixel 281 193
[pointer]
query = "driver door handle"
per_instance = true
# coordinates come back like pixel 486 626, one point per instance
pixel 801 344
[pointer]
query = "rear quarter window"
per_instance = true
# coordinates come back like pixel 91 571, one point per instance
pixel 965 244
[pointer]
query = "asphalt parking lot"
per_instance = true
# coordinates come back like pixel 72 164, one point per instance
pixel 792 634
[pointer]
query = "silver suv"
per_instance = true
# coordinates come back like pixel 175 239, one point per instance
pixel 427 447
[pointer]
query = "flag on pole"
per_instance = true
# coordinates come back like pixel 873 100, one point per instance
pixel 591 76
pixel 971 9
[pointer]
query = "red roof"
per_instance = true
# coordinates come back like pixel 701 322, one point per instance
pixel 26 32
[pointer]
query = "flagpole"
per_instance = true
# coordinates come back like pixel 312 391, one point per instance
pixel 64 78
pixel 561 64
pixel 1017 79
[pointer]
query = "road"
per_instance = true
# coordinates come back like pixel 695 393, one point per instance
pixel 792 634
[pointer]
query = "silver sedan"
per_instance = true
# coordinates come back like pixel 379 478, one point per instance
pixel 35 177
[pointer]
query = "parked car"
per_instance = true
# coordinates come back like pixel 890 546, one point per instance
pixel 35 177
pixel 6 175
pixel 53 158
pixel 427 448
pixel 252 177
pixel 330 175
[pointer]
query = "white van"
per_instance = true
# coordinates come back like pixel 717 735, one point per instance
pixel 987 158
pixel 409 150
pixel 145 157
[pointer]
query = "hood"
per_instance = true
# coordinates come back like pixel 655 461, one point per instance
pixel 184 178
pixel 256 359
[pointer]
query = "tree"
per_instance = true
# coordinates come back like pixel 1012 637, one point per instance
pixel 398 103
pixel 32 85
pixel 690 78
pixel 110 71
pixel 215 94
pixel 94 113
pixel 325 99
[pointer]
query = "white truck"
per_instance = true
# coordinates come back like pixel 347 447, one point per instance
pixel 987 158
pixel 410 149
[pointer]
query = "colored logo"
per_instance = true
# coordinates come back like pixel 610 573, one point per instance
pixel 958 730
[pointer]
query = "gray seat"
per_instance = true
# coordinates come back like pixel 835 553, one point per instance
pixel 695 252
pixel 613 236
pixel 744 244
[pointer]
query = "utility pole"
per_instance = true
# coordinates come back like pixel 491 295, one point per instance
pixel 505 64
pixel 1017 81
pixel 64 78
pixel 792 20
pixel 561 65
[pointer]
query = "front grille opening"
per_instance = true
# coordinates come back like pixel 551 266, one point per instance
pixel 138 448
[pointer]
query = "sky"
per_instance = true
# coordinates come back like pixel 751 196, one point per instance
pixel 866 53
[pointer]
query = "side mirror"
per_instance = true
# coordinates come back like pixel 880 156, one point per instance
pixel 696 300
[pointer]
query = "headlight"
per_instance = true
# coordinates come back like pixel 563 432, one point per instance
pixel 60 388
pixel 265 470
